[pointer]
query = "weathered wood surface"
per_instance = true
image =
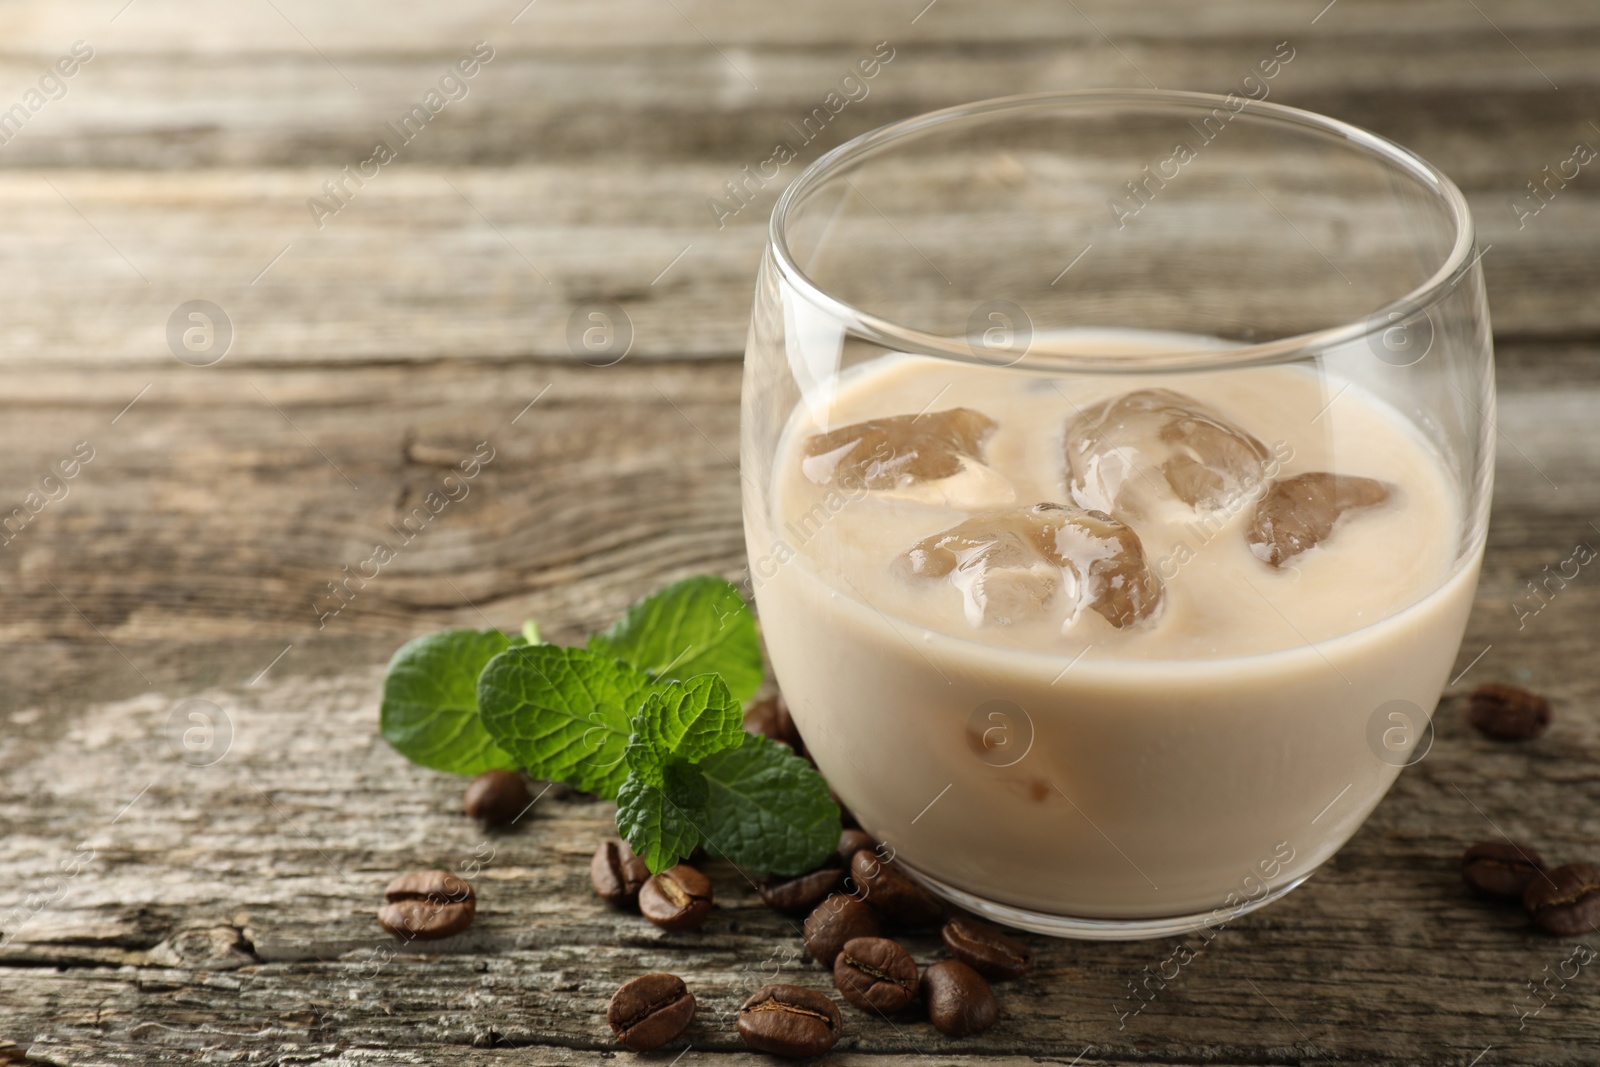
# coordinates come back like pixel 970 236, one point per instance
pixel 226 911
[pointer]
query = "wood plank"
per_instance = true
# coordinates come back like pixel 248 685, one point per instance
pixel 360 28
pixel 550 103
pixel 258 510
pixel 440 264
pixel 566 214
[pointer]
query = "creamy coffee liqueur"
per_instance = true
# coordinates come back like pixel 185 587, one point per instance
pixel 1151 696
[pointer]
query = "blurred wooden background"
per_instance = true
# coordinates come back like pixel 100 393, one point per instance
pixel 225 911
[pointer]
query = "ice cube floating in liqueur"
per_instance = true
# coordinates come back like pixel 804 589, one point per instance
pixel 1009 563
pixel 897 451
pixel 1298 513
pixel 1137 455
pixel 1124 450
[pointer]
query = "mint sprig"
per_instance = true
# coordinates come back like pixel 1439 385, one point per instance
pixel 563 713
pixel 430 702
pixel 663 804
pixel 697 626
pixel 661 820
pixel 768 808
pixel 685 722
pixel 648 714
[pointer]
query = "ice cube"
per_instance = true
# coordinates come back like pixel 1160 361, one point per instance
pixel 1121 586
pixel 1010 564
pixel 1298 513
pixel 975 487
pixel 998 560
pixel 1120 452
pixel 898 450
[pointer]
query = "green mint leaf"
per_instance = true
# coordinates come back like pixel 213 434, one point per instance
pixel 682 722
pixel 700 625
pixel 662 820
pixel 563 713
pixel 644 758
pixel 430 702
pixel 690 720
pixel 768 809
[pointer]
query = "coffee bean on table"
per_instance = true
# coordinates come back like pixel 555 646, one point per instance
pixel 892 893
pixel 679 898
pixel 835 921
pixel 959 1001
pixel 852 841
pixel 649 1011
pixel 427 906
pixel 788 1020
pixel 1565 901
pixel 875 974
pixel 1500 868
pixel 986 949
pixel 797 896
pixel 617 874
pixel 1507 713
pixel 496 797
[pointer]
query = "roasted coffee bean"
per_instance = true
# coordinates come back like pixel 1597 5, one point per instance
pixel 852 841
pixel 892 893
pixel 497 797
pixel 617 874
pixel 798 896
pixel 1565 901
pixel 875 974
pixel 788 1020
pixel 1500 868
pixel 986 949
pixel 678 898
pixel 837 920
pixel 1507 713
pixel 427 905
pixel 959 1001
pixel 649 1011
pixel 770 718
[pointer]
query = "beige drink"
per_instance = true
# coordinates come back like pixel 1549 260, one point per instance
pixel 1171 747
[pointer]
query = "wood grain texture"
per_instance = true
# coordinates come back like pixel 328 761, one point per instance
pixel 226 912
pixel 242 895
pixel 439 264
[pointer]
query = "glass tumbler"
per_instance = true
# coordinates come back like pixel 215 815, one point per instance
pixel 1117 470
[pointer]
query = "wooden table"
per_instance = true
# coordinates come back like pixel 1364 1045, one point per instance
pixel 158 911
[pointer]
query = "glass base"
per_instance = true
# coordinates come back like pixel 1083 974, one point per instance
pixel 1093 929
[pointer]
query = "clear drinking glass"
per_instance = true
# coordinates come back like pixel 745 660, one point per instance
pixel 1007 711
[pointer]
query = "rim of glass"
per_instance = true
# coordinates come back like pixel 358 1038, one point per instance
pixel 911 340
